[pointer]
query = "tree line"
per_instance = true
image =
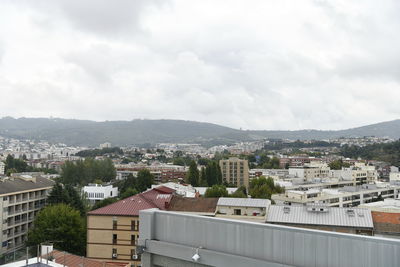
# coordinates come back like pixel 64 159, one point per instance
pixel 100 152
pixel 89 170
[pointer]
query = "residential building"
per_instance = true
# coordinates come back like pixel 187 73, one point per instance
pixel 243 208
pixel 2 168
pixel 21 198
pixel 348 196
pixel 113 230
pixel 97 192
pixel 310 171
pixel 359 174
pixel 176 239
pixel 235 171
pixel 344 220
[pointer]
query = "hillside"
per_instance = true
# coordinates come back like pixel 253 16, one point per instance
pixel 91 133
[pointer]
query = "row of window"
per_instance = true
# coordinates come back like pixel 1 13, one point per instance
pixel 134 224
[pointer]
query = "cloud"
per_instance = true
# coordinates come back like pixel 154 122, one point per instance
pixel 264 65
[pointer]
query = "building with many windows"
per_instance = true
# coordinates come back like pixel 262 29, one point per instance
pixel 113 230
pixel 98 192
pixel 348 196
pixel 235 171
pixel 21 198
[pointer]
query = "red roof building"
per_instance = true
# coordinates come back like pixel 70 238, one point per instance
pixel 113 230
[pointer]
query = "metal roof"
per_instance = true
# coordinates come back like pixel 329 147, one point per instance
pixel 347 217
pixel 243 202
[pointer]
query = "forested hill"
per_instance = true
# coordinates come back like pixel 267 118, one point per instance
pixel 383 152
pixel 135 132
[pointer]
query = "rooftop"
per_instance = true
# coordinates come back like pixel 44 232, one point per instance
pixel 130 206
pixel 206 205
pixel 319 215
pixel 16 184
pixel 243 202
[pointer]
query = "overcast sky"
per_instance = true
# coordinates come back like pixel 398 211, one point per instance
pixel 244 64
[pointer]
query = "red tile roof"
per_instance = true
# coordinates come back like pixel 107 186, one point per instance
pixel 71 260
pixel 130 206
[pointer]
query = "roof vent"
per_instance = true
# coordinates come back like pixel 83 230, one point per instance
pixel 350 212
pixel 286 209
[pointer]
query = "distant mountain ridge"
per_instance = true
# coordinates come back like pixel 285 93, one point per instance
pixel 135 132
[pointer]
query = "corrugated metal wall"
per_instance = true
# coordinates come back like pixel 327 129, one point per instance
pixel 273 243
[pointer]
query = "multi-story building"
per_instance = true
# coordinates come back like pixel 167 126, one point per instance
pixel 98 192
pixel 348 196
pixel 2 168
pixel 235 171
pixel 113 230
pixel 21 198
pixel 359 174
pixel 308 172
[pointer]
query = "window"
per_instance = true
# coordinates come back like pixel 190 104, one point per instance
pixel 114 253
pixel 115 220
pixel 133 240
pixel 237 211
pixel 114 239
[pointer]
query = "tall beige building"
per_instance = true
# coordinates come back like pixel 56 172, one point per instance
pixel 235 171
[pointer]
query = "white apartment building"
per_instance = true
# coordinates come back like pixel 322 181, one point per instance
pixel 359 174
pixel 21 198
pixel 348 196
pixel 2 168
pixel 97 192
pixel 310 171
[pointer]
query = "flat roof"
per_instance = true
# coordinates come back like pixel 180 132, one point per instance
pixel 243 202
pixel 333 216
pixel 10 185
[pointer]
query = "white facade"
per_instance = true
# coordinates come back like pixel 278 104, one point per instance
pixel 97 192
pixel 394 176
pixel 2 168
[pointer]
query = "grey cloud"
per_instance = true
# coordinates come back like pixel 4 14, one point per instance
pixel 102 17
pixel 262 66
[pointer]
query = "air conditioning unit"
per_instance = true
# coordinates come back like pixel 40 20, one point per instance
pixel 134 257
pixel 114 255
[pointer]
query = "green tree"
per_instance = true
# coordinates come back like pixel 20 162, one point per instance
pixel 213 173
pixel 338 164
pixel 63 225
pixel 67 195
pixel 178 161
pixel 241 192
pixel 203 177
pixel 193 175
pixel 262 187
pixel 87 171
pixel 216 191
pixel 129 192
pixel 144 180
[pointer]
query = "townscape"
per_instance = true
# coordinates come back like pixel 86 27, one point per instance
pixel 182 133
pixel 306 184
